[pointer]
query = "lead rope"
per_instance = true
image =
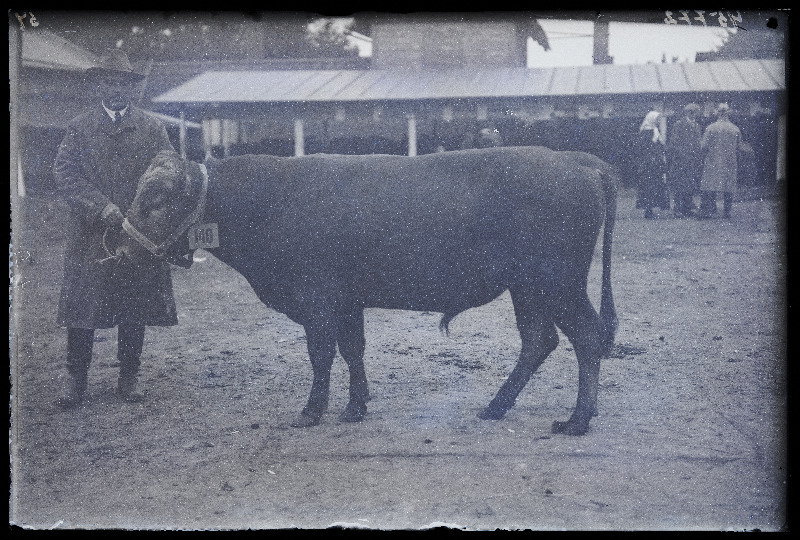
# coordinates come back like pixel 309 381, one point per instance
pixel 111 256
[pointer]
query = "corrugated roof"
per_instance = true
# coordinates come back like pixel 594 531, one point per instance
pixel 44 49
pixel 379 85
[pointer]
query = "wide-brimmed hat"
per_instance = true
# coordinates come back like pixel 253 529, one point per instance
pixel 116 62
pixel 722 108
pixel 691 107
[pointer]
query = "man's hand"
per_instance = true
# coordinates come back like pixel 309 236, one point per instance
pixel 112 216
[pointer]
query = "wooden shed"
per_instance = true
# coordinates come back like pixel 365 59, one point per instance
pixel 593 108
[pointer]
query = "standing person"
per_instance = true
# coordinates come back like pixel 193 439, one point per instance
pixel 651 165
pixel 721 142
pixel 97 170
pixel 684 160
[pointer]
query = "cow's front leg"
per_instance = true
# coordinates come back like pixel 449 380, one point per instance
pixel 350 336
pixel 321 340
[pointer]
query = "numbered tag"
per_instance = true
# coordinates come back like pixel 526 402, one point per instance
pixel 203 236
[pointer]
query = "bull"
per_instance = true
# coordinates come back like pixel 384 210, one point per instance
pixel 322 237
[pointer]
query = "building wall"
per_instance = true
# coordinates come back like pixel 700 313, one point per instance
pixel 439 45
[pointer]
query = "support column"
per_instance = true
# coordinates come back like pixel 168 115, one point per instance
pixel 212 134
pixel 17 183
pixel 412 135
pixel 781 150
pixel 230 135
pixel 299 140
pixel 182 136
pixel 600 48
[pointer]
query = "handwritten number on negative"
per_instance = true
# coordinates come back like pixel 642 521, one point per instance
pixel 32 20
pixel 700 16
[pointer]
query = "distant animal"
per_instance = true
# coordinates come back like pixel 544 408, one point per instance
pixel 322 237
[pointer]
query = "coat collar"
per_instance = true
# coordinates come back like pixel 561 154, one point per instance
pixel 111 113
pixel 107 126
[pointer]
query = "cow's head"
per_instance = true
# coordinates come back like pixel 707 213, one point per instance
pixel 169 198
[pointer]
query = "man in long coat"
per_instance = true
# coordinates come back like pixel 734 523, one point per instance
pixel 97 170
pixel 721 143
pixel 685 160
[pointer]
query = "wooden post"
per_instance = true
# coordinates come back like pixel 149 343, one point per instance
pixel 14 70
pixel 412 135
pixel 299 140
pixel 182 136
pixel 600 50
pixel 207 128
pixel 781 160
pixel 230 135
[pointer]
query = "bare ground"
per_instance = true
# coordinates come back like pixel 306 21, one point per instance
pixel 691 432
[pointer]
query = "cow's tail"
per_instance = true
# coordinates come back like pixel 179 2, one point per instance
pixel 608 315
pixel 444 324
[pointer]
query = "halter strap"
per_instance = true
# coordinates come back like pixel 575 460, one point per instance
pixel 160 250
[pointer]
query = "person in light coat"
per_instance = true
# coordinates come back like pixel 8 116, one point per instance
pixel 97 171
pixel 721 143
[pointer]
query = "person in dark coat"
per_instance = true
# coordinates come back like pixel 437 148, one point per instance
pixel 97 171
pixel 684 160
pixel 650 160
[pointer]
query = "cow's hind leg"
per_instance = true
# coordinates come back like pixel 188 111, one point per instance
pixel 539 338
pixel 581 324
pixel 350 336
pixel 321 340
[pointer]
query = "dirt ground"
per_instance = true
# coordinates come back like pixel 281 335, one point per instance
pixel 691 432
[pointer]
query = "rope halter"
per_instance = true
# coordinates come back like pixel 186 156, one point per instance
pixel 159 251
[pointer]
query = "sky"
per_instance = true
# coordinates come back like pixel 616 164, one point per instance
pixel 629 43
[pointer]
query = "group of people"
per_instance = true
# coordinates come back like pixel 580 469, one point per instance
pixel 688 161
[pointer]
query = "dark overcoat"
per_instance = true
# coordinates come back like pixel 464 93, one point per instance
pixel 99 163
pixel 684 156
pixel 651 166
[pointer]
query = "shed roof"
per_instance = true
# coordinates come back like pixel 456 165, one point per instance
pixel 44 49
pixel 379 85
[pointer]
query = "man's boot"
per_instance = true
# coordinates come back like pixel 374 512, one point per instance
pixel 126 386
pixel 79 356
pixel 76 390
pixel 129 349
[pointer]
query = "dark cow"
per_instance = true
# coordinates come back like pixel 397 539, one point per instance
pixel 322 237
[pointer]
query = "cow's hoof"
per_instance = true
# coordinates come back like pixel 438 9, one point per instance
pixel 570 427
pixel 306 420
pixel 353 413
pixel 492 413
